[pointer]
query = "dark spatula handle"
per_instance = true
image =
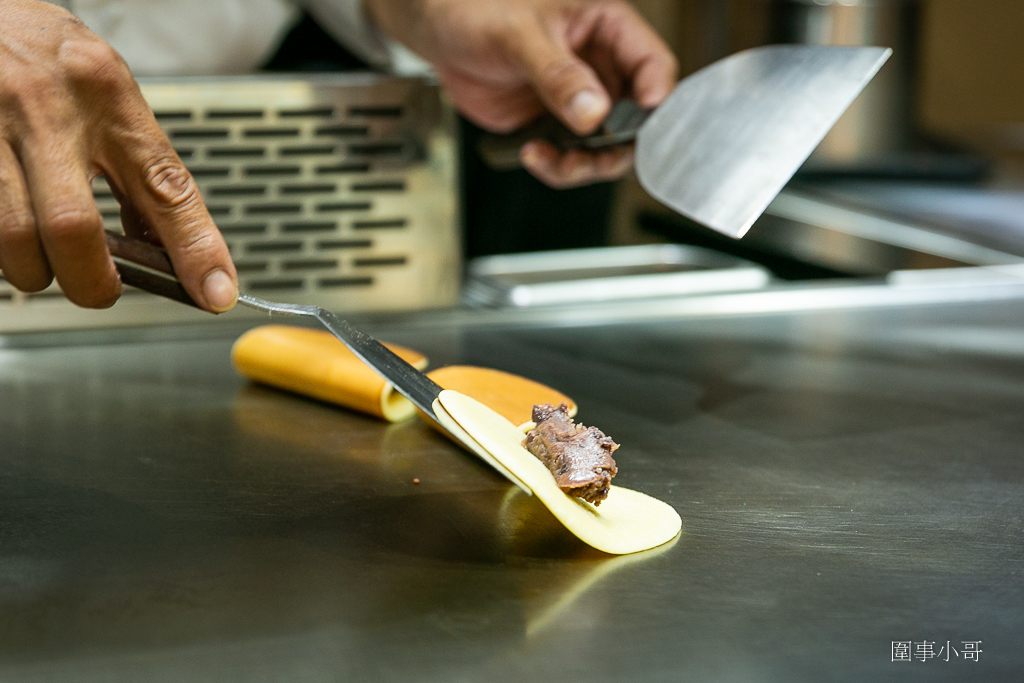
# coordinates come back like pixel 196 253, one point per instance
pixel 501 152
pixel 147 267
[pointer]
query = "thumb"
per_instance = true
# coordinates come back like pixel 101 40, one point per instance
pixel 567 85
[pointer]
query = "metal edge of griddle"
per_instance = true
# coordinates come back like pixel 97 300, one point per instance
pixel 487 283
pixel 934 287
pixel 942 286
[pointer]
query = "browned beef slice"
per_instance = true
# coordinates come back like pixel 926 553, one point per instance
pixel 580 458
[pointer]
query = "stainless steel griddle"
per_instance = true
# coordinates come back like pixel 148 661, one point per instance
pixel 847 463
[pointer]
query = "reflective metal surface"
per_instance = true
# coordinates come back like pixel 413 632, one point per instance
pixel 338 190
pixel 605 274
pixel 730 136
pixel 847 477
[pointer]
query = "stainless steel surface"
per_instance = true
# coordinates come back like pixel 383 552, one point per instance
pixel 606 274
pixel 991 217
pixel 847 478
pixel 337 190
pixel 823 229
pixel 730 136
pixel 406 379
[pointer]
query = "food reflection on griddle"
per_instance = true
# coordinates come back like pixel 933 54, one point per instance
pixel 579 458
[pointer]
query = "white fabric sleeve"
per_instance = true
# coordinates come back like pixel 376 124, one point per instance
pixel 189 37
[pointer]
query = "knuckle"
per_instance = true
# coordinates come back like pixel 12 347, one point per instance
pixel 559 74
pixel 71 224
pixel 94 62
pixel 171 183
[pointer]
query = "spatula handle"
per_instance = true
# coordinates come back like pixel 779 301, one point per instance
pixel 501 152
pixel 147 267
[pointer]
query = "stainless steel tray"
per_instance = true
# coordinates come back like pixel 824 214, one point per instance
pixel 606 274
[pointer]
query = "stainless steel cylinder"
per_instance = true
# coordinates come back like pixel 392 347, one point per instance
pixel 880 121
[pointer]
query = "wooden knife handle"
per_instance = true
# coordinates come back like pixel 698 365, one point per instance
pixel 147 267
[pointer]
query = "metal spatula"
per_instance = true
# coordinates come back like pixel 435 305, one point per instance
pixel 730 136
pixel 147 267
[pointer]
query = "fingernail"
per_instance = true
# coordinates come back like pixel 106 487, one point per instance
pixel 585 107
pixel 220 291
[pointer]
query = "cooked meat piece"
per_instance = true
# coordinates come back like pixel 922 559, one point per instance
pixel 580 458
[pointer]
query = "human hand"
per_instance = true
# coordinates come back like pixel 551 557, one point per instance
pixel 69 112
pixel 504 62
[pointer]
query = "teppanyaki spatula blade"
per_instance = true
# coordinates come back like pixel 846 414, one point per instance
pixel 730 136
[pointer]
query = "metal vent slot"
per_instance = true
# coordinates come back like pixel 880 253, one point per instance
pixel 351 167
pixel 209 172
pixel 306 151
pixel 237 191
pixel 344 206
pixel 345 282
pixel 185 153
pixel 310 264
pixel 307 113
pixel 219 211
pixel 235 152
pixel 342 131
pixel 243 229
pixel 275 284
pixel 251 267
pixel 379 186
pixel 265 209
pixel 309 226
pixel 110 214
pixel 344 244
pixel 102 195
pixel 273 170
pixel 272 247
pixel 271 132
pixel 384 112
pixel 392 224
pixel 380 261
pixel 322 188
pixel 377 149
pixel 214 114
pixel 173 115
pixel 6 296
pixel 199 133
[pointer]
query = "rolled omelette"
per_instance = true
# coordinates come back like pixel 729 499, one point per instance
pixel 315 363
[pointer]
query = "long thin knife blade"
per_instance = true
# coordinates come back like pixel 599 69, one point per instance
pixel 407 380
pixel 730 136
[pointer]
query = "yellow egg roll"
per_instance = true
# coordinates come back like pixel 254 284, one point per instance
pixel 315 363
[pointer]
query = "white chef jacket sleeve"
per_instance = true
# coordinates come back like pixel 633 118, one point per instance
pixel 189 37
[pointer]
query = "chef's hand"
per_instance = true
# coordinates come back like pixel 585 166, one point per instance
pixel 70 111
pixel 504 62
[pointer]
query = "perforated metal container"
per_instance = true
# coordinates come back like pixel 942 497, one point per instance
pixel 337 190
